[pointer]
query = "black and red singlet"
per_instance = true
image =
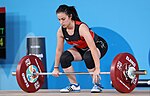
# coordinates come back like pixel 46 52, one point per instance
pixel 75 39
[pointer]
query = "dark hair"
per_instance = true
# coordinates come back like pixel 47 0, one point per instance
pixel 68 10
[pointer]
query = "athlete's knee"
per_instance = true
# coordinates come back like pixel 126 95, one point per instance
pixel 88 59
pixel 66 59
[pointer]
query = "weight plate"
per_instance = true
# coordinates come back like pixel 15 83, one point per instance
pixel 28 81
pixel 119 72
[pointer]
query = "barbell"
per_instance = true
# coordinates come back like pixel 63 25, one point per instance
pixel 124 73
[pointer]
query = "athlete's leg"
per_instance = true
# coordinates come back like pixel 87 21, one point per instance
pixel 91 68
pixel 90 62
pixel 76 57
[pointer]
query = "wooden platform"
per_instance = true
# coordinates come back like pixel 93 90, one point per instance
pixel 46 92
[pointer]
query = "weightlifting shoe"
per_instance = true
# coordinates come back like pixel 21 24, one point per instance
pixel 97 88
pixel 71 88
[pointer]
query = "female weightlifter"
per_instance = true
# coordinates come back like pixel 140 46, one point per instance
pixel 87 46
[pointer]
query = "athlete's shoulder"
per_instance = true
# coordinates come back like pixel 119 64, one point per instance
pixel 84 26
pixel 60 29
pixel 59 32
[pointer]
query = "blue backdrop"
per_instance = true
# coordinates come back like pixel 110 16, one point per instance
pixel 123 24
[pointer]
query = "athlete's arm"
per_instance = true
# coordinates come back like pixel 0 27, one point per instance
pixel 59 50
pixel 84 31
pixel 60 47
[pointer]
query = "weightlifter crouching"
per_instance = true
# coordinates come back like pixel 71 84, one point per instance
pixel 88 46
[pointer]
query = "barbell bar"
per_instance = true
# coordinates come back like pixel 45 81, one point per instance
pixel 124 73
pixel 66 73
pixel 139 72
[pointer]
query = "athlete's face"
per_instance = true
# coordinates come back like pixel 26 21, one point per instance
pixel 64 19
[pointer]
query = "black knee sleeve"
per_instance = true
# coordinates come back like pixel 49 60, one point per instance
pixel 88 59
pixel 66 59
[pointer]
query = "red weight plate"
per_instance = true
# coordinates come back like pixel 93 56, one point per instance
pixel 119 72
pixel 26 80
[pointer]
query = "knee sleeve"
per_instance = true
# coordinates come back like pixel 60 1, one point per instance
pixel 88 59
pixel 66 59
